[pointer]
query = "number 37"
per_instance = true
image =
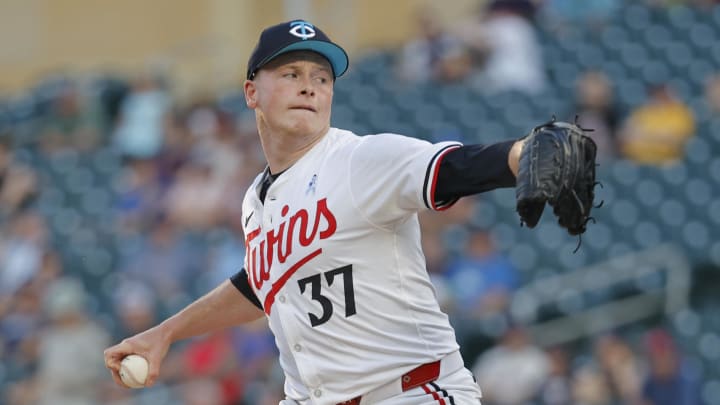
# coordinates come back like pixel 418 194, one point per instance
pixel 315 282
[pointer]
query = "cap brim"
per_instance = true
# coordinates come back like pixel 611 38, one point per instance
pixel 334 54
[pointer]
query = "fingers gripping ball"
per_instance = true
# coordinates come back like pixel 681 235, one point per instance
pixel 134 371
pixel 557 166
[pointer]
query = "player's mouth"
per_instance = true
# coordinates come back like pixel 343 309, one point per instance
pixel 303 107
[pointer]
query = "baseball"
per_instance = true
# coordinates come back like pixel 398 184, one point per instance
pixel 134 371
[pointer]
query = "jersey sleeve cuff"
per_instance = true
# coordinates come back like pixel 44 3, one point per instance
pixel 241 282
pixel 431 177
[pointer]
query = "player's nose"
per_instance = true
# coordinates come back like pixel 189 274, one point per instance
pixel 307 89
pixel 307 86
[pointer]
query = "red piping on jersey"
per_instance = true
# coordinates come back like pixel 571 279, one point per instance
pixel 270 297
pixel 434 394
pixel 434 180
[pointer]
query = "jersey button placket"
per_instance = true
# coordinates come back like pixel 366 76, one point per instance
pixel 317 393
pixel 297 347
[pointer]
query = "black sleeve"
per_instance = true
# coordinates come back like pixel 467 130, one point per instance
pixel 473 169
pixel 240 281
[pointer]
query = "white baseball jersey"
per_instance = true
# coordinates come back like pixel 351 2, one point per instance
pixel 334 257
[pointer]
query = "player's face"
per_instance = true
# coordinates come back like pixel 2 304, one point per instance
pixel 293 94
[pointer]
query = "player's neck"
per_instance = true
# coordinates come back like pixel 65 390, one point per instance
pixel 282 150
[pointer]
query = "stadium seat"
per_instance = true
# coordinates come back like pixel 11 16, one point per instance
pixel 703 36
pixel 696 236
pixel 647 234
pixel 713 211
pixel 630 92
pixel 710 346
pixel 79 180
pixel 524 256
pixel 624 212
pixel 96 202
pixel 636 17
pixel 649 192
pixel 711 391
pixel 698 192
pixel 657 36
pixel 571 259
pixel 673 213
pixel 364 98
pixel 655 71
pixel 614 36
pixel 675 174
pixel 681 17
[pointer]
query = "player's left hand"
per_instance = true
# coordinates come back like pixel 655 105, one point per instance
pixel 557 166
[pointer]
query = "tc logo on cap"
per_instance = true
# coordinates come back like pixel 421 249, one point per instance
pixel 302 29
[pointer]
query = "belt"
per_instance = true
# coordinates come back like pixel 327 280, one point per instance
pixel 416 377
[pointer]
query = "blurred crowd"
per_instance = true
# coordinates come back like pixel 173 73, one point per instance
pixel 175 232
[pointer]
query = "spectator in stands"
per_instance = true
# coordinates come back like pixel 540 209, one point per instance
pixel 216 141
pixel 712 94
pixel 165 260
pixel 203 391
pixel 225 254
pixel 255 350
pixel 669 381
pixel 514 371
pixel 6 156
pixel 557 389
pixel 595 109
pixel 656 132
pixel 434 54
pixel 18 189
pixel 69 123
pixel 21 319
pixel 22 247
pixel 195 178
pixel 480 282
pixel 482 279
pixel 73 340
pixel 459 214
pixel 140 127
pixel 507 43
pixel 18 183
pixel 436 255
pixel 211 363
pixel 590 387
pixel 135 307
pixel 620 367
pixel 139 199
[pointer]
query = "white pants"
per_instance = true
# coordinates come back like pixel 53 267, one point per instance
pixel 457 388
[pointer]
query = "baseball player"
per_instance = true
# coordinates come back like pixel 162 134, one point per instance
pixel 333 254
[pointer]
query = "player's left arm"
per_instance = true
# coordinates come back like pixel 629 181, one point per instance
pixel 473 169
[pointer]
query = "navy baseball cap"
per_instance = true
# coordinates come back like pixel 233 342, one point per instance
pixel 296 35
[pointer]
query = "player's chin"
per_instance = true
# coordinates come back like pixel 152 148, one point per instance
pixel 306 126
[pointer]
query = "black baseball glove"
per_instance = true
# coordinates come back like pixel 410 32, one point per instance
pixel 557 166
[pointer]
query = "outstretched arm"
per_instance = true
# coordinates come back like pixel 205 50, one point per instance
pixel 514 156
pixel 222 307
pixel 474 169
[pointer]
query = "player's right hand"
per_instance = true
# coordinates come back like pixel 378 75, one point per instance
pixel 152 344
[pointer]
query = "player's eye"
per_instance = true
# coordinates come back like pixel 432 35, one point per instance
pixel 290 75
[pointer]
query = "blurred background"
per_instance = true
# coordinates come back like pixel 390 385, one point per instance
pixel 126 148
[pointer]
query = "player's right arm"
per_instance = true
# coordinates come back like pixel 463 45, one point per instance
pixel 223 307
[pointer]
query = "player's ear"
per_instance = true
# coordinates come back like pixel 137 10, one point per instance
pixel 250 90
